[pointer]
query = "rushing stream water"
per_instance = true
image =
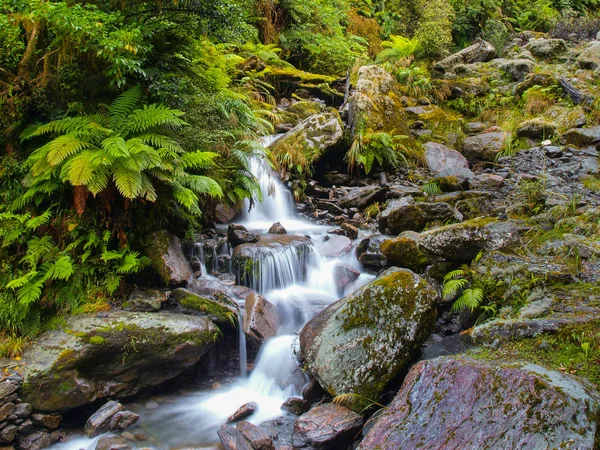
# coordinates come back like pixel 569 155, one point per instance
pixel 300 284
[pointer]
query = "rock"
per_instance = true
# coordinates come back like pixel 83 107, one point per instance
pixel 8 434
pixel 536 129
pixel 362 197
pixel 421 112
pixel 7 387
pixel 238 235
pixel 582 137
pixel 486 405
pixel 415 217
pixel 220 310
pixel 39 440
pixel 480 52
pixel 224 213
pixel 100 421
pixel 336 178
pixel 403 251
pixel 344 274
pixel 112 443
pixel 295 405
pixel 6 410
pixel 261 320
pixel 368 252
pixel 361 342
pixel 122 420
pixel 445 162
pixel 486 181
pixel 245 436
pixel 147 300
pixel 351 230
pixel 314 136
pixel 590 57
pixel 50 421
pixel 516 68
pixel 484 147
pixel 244 411
pixel 277 228
pixel 334 246
pixel 546 48
pixel 534 79
pixel 164 250
pixel 327 426
pixel 93 357
pixel 462 242
pixel 22 410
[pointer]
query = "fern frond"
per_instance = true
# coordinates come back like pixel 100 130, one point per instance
pixel 115 146
pixel 186 197
pixel 202 185
pixel 451 287
pixel 123 105
pixel 79 171
pixel 197 160
pixel 36 222
pixel 128 182
pixel 62 269
pixel 161 142
pixel 454 274
pixel 471 298
pixel 63 147
pixel 152 116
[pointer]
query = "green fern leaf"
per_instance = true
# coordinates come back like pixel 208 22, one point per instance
pixel 123 105
pixel 451 287
pixel 62 269
pixel 115 146
pixel 197 160
pixel 128 182
pixel 152 116
pixel 36 222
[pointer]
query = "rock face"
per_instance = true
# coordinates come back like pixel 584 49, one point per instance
pixel 415 217
pixel 117 355
pixel 404 251
pixel 461 242
pixel 445 162
pixel 362 197
pixel 314 136
pixel 361 342
pixel 481 52
pixel 484 147
pixel 590 57
pixel 327 426
pixel 486 406
pixel 536 128
pixel 164 250
pixel 546 48
pixel 261 320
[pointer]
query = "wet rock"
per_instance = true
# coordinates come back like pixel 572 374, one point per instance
pixel 536 129
pixel 350 230
pixel 164 250
pixel 6 410
pixel 224 213
pixel 334 246
pixel 99 422
pixel 92 357
pixel 122 420
pixel 220 309
pixel 50 421
pixel 244 436
pixel 22 410
pixel 277 228
pixel 261 320
pixel 238 235
pixel 368 252
pixel 362 197
pixel 39 439
pixel 313 391
pixel 546 48
pixel 403 251
pixel 590 57
pixel 7 434
pixel 582 137
pixel 445 162
pixel 112 443
pixel 295 405
pixel 244 411
pixel 480 52
pixel 147 300
pixel 484 147
pixel 327 426
pixel 361 342
pixel 414 217
pixel 486 405
pixel 344 274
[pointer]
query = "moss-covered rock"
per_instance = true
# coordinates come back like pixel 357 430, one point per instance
pixel 404 251
pixel 222 310
pixel 118 355
pixel 485 146
pixel 399 217
pixel 164 250
pixel 361 342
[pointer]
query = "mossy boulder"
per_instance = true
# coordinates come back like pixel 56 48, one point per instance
pixel 485 146
pixel 480 52
pixel 478 405
pixel 404 251
pixel 462 242
pixel 145 300
pixel 590 57
pixel 112 355
pixel 536 128
pixel 546 48
pixel 363 341
pixel 399 217
pixel 582 137
pixel 220 310
pixel 165 251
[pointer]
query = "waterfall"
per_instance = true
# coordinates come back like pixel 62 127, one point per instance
pixel 242 338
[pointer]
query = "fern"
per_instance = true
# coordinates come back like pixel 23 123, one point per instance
pixel 470 298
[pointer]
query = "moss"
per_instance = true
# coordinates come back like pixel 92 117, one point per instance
pixel 97 340
pixel 206 306
pixel 156 248
pixel 404 251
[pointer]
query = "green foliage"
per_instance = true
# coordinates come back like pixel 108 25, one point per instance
pixel 432 187
pixel 376 147
pixel 496 33
pixel 434 28
pixel 397 48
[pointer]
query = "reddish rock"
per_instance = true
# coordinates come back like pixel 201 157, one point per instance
pixel 242 412
pixel 245 436
pixel 344 274
pixel 261 320
pixel 327 426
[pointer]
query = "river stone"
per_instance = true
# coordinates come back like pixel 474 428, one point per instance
pixel 6 410
pixel 462 242
pixel 145 300
pixel 480 52
pixel 590 57
pixel 99 422
pixel 546 48
pixel 344 274
pixel 361 197
pixel 334 246
pixel 326 426
pixel 582 137
pixel 238 235
pixel 122 420
pixel 361 342
pixel 244 411
pixel 536 128
pixel 484 147
pixel 445 162
pixel 403 251
pixel 244 436
pixel 277 228
pixel 50 421
pixel 112 443
pixel 39 439
pixel 459 402
pixel 369 254
pixel 261 320
pixel 295 405
pixel 415 217
pixel 116 355
pixel 218 308
pixel 164 250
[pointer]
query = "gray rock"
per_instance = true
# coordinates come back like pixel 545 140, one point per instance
pixel 414 217
pixel 336 178
pixel 219 308
pixel 238 235
pixel 112 443
pixel 590 57
pixel 8 434
pixel 546 48
pixel 344 274
pixel 362 197
pixel 164 250
pixel 368 252
pixel 244 436
pixel 7 388
pixel 333 246
pixel 22 410
pixel 122 420
pixel 582 137
pixel 261 320
pixel 277 228
pixel 149 300
pixel 486 181
pixel 484 147
pixel 480 52
pixel 100 421
pixel 295 405
pixel 327 426
pixel 445 162
pixel 516 68
pixel 39 439
pixel 6 410
pixel 536 129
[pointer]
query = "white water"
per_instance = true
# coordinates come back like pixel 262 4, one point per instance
pixel 300 284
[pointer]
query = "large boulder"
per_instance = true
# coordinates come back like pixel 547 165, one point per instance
pixel 313 137
pixel 480 52
pixel 536 129
pixel 165 252
pixel 326 426
pixel 582 137
pixel 334 246
pixel 148 300
pixel 404 251
pixel 546 48
pixel 362 342
pixel 415 217
pixel 117 354
pixel 244 436
pixel 261 320
pixel 462 242
pixel 590 57
pixel 362 197
pixel 484 147
pixel 445 162
pixel 458 402
pixel 238 235
pixel 515 68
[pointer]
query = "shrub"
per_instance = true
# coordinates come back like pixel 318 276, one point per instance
pixel 496 33
pixel 434 29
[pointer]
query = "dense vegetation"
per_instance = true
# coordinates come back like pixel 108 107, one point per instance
pixel 118 119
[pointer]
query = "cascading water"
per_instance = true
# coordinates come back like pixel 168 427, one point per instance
pixel 300 283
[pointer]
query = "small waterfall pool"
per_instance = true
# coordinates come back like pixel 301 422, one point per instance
pixel 300 285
